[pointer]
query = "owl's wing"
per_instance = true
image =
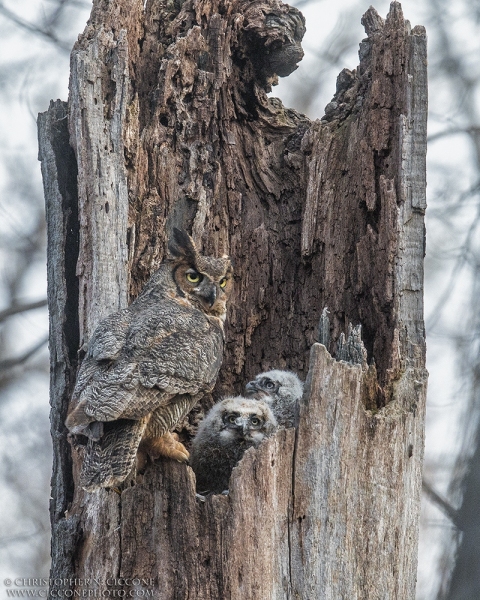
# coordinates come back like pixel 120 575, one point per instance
pixel 105 345
pixel 162 357
pixel 110 336
pixel 116 392
pixel 182 362
pixel 109 460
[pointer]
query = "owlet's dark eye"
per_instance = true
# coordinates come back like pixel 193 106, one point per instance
pixel 255 421
pixel 193 276
pixel 223 282
pixel 232 419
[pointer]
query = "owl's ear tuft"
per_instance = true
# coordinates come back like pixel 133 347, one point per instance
pixel 181 245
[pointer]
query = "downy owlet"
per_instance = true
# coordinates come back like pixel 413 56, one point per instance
pixel 231 427
pixel 281 390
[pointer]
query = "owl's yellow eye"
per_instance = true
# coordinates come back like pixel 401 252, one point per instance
pixel 223 282
pixel 255 421
pixel 193 276
pixel 232 419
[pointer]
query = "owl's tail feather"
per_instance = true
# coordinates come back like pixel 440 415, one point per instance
pixel 109 460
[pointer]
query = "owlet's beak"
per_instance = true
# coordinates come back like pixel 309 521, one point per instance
pixel 242 424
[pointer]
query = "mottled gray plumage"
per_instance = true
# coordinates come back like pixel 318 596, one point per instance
pixel 231 427
pixel 147 365
pixel 281 390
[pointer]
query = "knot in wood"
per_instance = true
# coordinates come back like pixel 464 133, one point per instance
pixel 273 39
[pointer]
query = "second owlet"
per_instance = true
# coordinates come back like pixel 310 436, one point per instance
pixel 230 427
pixel 281 390
pixel 149 364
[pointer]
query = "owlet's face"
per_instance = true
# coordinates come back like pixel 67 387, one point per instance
pixel 203 280
pixel 277 385
pixel 262 384
pixel 242 419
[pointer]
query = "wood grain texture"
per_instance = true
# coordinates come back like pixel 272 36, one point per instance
pixel 59 171
pixel 363 218
pixel 357 486
pixel 213 549
pixel 98 71
pixel 100 85
pixel 171 126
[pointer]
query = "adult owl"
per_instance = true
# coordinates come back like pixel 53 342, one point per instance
pixel 281 390
pixel 230 427
pixel 147 365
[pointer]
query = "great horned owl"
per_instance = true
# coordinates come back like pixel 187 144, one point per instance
pixel 281 390
pixel 230 427
pixel 147 365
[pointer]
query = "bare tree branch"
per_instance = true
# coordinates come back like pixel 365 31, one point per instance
pixel 15 309
pixel 13 362
pixel 453 131
pixel 45 33
pixel 436 313
pixel 21 536
pixel 444 506
pixel 53 19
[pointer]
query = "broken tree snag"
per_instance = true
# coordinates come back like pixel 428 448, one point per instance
pixel 171 126
pixel 363 221
pixel 357 480
pixel 357 484
pixel 99 94
pixel 59 171
pixel 233 547
pixel 206 149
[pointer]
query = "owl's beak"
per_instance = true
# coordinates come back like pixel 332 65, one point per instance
pixel 242 424
pixel 209 295
pixel 252 389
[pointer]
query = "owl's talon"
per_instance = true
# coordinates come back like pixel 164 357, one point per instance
pixel 200 497
pixel 168 446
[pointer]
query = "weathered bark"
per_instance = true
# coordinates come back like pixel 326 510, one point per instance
pixel 59 171
pixel 171 126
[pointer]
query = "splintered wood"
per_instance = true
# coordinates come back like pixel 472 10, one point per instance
pixel 171 126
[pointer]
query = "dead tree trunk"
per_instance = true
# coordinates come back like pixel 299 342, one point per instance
pixel 170 125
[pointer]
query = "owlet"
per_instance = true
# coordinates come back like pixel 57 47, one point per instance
pixel 281 390
pixel 230 427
